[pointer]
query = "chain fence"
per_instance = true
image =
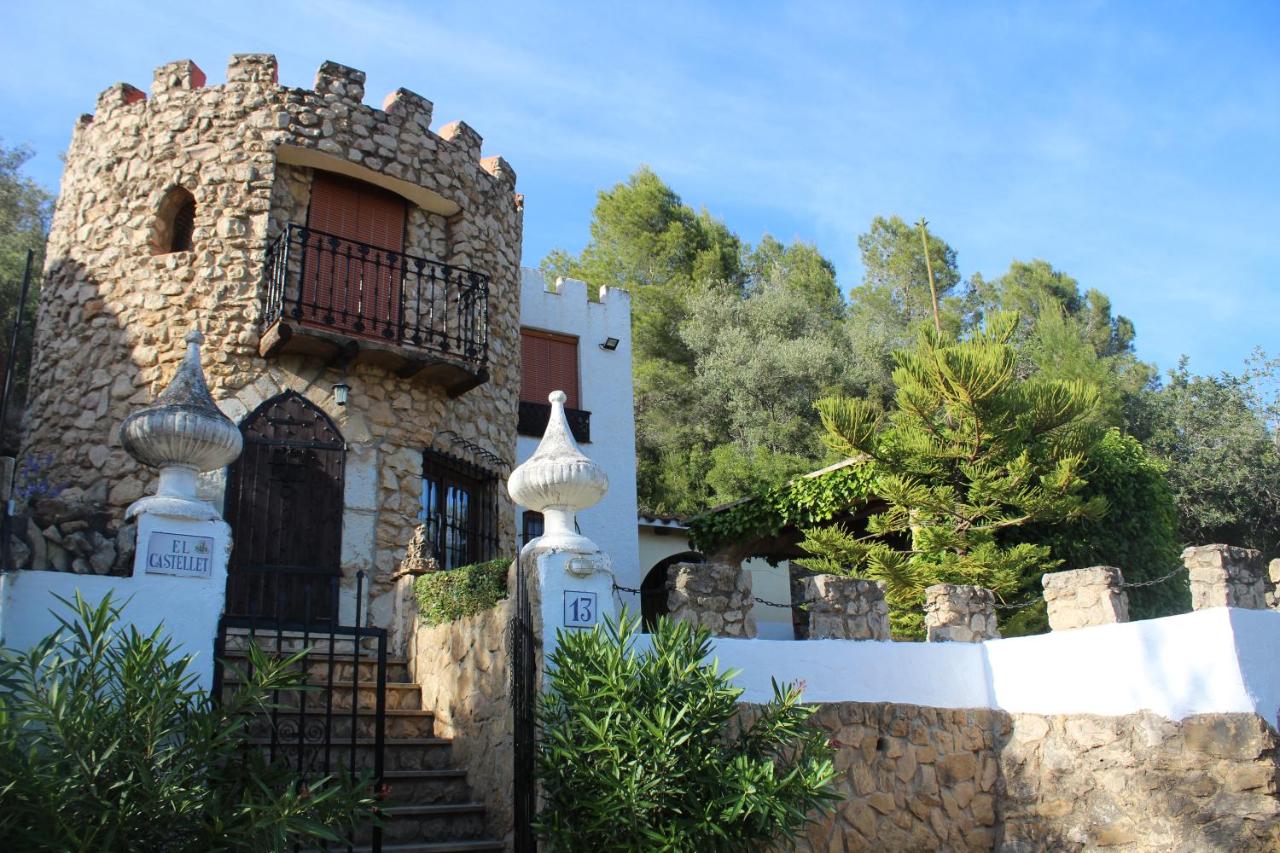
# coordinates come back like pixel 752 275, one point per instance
pixel 999 605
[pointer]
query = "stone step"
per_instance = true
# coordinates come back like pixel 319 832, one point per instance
pixel 343 668
pixel 399 725
pixel 426 786
pixel 291 642
pixel 401 695
pixel 433 822
pixel 427 753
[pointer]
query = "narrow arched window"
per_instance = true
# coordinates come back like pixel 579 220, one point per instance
pixel 175 222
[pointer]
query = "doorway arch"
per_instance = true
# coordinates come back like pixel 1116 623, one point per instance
pixel 284 504
pixel 653 589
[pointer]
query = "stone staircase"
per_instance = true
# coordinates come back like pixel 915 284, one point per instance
pixel 428 807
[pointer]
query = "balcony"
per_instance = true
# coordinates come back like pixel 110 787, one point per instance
pixel 343 301
pixel 534 416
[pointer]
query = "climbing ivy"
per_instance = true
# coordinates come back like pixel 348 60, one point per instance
pixel 464 591
pixel 803 502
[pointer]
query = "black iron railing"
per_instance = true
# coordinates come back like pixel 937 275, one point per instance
pixel 362 291
pixel 304 728
pixel 459 510
pixel 533 418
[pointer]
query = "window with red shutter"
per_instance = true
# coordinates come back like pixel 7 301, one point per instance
pixel 549 363
pixel 353 281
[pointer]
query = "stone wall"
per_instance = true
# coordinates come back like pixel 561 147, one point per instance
pixel 911 778
pixel 465 680
pixel 1139 783
pixel 712 595
pixel 914 778
pixel 113 310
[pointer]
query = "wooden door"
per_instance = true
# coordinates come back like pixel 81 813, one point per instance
pixel 284 505
pixel 354 269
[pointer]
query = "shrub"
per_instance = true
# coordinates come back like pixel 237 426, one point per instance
pixel 464 591
pixel 647 750
pixel 106 744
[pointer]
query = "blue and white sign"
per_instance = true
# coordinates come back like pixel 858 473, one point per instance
pixel 179 554
pixel 580 609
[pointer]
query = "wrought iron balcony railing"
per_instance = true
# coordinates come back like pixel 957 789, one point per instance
pixel 359 291
pixel 533 417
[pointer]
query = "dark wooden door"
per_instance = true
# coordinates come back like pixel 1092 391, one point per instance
pixel 354 278
pixel 284 505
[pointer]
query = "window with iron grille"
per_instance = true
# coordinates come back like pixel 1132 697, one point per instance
pixel 459 510
pixel 531 526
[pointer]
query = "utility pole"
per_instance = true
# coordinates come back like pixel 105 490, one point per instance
pixel 928 265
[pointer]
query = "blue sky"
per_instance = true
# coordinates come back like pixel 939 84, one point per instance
pixel 1135 146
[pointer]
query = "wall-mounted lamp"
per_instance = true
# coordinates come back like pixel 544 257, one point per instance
pixel 609 344
pixel 340 391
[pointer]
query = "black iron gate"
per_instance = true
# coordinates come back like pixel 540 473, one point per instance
pixel 315 729
pixel 524 677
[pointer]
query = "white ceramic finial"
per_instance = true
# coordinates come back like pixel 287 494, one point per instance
pixel 182 434
pixel 559 481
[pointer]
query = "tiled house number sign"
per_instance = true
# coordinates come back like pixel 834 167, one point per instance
pixel 179 554
pixel 579 609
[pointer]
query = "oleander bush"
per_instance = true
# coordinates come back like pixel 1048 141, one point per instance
pixel 465 591
pixel 107 744
pixel 647 749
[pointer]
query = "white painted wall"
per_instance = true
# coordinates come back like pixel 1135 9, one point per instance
pixel 1221 660
pixel 605 391
pixel 188 608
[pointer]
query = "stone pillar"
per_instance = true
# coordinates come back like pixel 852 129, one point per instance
pixel 843 608
pixel 1273 584
pixel 1225 576
pixel 716 596
pixel 1084 597
pixel 959 614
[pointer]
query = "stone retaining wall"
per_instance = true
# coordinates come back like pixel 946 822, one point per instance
pixel 915 778
pixel 463 670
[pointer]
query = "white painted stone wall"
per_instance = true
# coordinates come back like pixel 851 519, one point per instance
pixel 606 392
pixel 1221 660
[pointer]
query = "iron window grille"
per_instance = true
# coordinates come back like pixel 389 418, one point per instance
pixel 459 510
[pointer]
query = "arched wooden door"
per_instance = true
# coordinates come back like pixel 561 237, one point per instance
pixel 284 505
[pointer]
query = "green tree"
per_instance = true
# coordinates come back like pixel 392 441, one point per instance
pixel 644 750
pixel 970 453
pixel 1064 333
pixel 1223 461
pixel 894 295
pixel 25 210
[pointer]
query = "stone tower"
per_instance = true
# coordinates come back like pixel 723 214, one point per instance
pixel 355 273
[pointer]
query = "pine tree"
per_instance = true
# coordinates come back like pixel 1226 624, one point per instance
pixel 970 452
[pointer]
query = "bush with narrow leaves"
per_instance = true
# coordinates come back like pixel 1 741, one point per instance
pixel 647 749
pixel 107 744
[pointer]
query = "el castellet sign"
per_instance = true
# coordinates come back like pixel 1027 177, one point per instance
pixel 179 554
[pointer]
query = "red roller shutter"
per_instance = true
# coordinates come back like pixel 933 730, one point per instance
pixel 353 283
pixel 549 363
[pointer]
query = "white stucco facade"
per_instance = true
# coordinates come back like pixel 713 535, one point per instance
pixel 605 390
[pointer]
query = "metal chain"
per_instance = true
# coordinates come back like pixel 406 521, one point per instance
pixel 1018 605
pixel 757 599
pixel 1153 581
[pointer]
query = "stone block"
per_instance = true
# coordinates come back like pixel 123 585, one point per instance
pixel 1084 597
pixel 1225 576
pixel 182 75
pixel 841 608
pixel 703 594
pixel 959 613
pixel 346 83
pixel 253 68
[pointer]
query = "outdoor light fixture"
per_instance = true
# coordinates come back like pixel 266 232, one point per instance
pixel 610 344
pixel 340 391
